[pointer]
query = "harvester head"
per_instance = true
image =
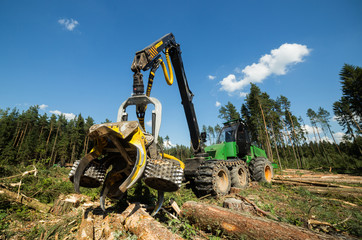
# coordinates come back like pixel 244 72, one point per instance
pixel 122 155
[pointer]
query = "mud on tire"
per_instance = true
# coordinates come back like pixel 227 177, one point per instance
pixel 212 178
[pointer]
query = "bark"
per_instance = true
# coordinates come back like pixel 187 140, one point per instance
pixel 243 226
pixel 30 202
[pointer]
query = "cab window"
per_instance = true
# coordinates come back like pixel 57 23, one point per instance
pixel 227 134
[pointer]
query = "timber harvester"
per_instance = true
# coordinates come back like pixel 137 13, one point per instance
pixel 131 153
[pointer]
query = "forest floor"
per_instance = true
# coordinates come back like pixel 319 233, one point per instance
pixel 319 201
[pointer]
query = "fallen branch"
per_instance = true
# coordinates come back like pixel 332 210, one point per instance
pixel 30 202
pixel 35 171
pixel 241 225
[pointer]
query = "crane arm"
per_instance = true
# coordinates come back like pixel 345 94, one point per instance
pixel 149 57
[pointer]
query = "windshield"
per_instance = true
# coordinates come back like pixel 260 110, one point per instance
pixel 227 134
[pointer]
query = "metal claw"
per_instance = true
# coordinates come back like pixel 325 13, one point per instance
pixel 80 169
pixel 160 199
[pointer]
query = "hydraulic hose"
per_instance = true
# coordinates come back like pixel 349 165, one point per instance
pixel 169 80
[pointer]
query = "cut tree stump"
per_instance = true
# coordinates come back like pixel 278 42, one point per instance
pixel 65 204
pixel 241 225
pixel 238 205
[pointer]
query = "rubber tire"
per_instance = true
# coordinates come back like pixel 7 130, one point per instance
pixel 239 176
pixel 221 180
pixel 261 170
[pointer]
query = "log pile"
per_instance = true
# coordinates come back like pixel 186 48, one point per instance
pixel 321 183
pixel 314 178
pixel 135 219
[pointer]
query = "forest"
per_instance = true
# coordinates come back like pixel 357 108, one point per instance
pixel 28 137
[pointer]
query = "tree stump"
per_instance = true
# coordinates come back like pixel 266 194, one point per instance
pixel 65 204
pixel 238 205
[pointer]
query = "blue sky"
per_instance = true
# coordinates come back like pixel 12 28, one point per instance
pixel 74 56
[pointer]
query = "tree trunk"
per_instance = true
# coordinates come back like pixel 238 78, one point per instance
pixel 243 226
pixel 23 136
pixel 334 140
pixel 291 142
pixel 18 128
pixel 323 149
pixel 55 142
pixel 296 138
pixel 276 147
pixel 267 135
pixel 30 202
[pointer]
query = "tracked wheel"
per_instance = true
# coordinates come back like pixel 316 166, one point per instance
pixel 212 178
pixel 92 177
pixel 261 170
pixel 240 176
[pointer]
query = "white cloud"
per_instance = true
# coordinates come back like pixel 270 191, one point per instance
pixel 168 144
pixel 277 63
pixel 211 77
pixel 338 136
pixel 68 116
pixel 309 129
pixel 149 123
pixel 43 106
pixel 243 94
pixel 217 104
pixel 69 24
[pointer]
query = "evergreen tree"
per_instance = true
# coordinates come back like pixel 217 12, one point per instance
pixel 228 112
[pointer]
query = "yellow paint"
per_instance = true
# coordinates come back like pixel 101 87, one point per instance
pixel 169 80
pixel 158 44
pixel 182 165
pixel 139 139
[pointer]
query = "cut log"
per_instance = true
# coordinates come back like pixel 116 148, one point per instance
pixel 30 202
pixel 140 223
pixel 322 179
pixel 241 225
pixel 86 228
pixel 322 184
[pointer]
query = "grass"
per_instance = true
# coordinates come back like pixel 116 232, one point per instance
pixel 294 205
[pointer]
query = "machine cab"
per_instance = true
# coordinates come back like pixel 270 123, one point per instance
pixel 236 131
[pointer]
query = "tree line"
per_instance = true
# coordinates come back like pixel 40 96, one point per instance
pixel 285 137
pixel 29 136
